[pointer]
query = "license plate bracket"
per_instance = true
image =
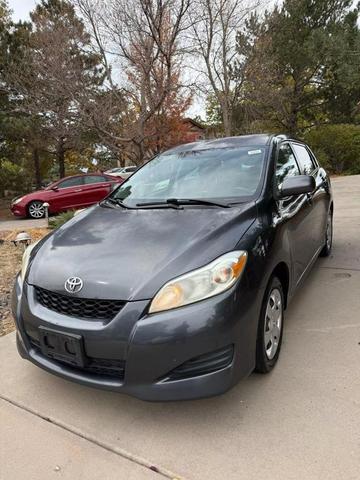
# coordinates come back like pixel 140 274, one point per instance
pixel 65 347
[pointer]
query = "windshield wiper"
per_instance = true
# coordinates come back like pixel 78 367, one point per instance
pixel 198 201
pixel 185 201
pixel 162 204
pixel 114 201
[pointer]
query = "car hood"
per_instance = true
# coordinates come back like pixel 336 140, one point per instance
pixel 129 254
pixel 36 195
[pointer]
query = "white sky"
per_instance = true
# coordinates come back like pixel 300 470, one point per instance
pixel 21 8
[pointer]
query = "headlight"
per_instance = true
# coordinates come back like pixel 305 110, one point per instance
pixel 17 200
pixel 26 258
pixel 215 278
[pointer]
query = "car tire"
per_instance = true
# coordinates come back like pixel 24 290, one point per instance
pixel 326 251
pixel 36 209
pixel 270 328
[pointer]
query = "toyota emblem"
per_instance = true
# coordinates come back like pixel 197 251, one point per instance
pixel 74 284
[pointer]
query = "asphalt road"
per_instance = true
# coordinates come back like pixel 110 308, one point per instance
pixel 300 422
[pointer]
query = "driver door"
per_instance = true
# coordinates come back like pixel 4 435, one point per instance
pixel 68 194
pixel 295 213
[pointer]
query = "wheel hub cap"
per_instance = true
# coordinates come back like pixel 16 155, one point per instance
pixel 273 323
pixel 36 210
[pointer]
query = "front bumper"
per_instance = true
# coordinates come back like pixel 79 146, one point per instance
pixel 151 346
pixel 18 210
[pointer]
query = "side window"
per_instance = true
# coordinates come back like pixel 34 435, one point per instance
pixel 71 182
pixel 304 158
pixel 313 158
pixel 94 179
pixel 286 165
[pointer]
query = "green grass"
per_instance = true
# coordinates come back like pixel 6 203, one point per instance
pixel 56 222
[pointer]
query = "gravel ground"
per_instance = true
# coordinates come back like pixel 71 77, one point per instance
pixel 10 263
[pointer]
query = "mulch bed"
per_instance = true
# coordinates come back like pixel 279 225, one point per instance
pixel 10 264
pixel 5 213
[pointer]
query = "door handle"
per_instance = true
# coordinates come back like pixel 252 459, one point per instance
pixel 78 190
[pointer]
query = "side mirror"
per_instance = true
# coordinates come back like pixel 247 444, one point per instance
pixel 297 185
pixel 55 188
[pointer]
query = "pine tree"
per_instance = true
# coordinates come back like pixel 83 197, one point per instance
pixel 57 72
pixel 296 71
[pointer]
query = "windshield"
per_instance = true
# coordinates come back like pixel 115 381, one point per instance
pixel 50 185
pixel 227 173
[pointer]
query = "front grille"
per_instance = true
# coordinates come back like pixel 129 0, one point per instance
pixel 208 363
pixel 96 366
pixel 78 307
pixel 102 366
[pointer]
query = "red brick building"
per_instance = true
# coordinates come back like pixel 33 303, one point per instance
pixel 194 130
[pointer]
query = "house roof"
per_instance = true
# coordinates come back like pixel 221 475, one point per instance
pixel 194 122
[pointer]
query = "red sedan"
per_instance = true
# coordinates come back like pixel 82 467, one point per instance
pixel 68 193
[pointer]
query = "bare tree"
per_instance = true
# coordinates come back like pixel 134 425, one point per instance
pixel 141 41
pixel 213 36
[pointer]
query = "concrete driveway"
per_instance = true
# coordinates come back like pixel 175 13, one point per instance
pixel 300 422
pixel 22 223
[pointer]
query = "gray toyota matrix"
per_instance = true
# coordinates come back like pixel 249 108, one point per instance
pixel 174 286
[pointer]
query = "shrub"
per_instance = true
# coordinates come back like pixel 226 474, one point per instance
pixel 56 222
pixel 337 147
pixel 13 178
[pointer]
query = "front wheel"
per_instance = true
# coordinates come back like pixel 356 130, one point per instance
pixel 270 329
pixel 36 209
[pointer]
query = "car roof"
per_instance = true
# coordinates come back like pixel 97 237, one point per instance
pixel 228 142
pixel 81 175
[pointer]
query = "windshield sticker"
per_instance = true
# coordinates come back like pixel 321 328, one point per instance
pixel 254 152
